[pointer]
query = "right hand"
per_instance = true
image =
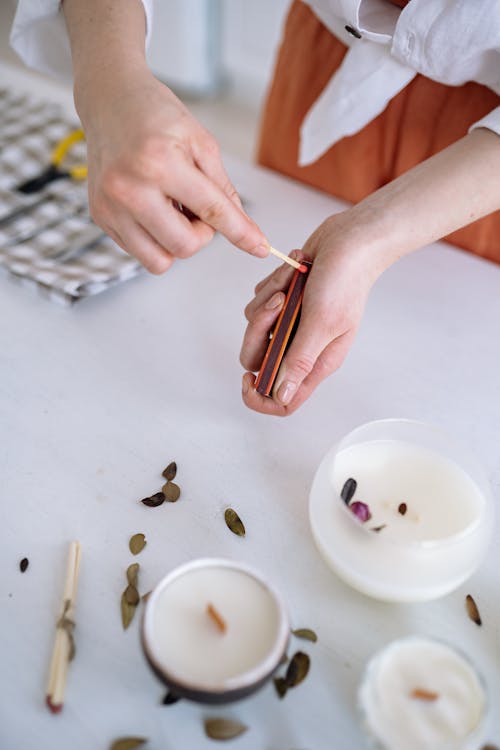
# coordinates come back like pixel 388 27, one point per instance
pixel 145 150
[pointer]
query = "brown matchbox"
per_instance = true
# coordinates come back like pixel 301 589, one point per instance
pixel 283 332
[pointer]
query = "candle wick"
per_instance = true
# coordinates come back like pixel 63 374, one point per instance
pixel 424 695
pixel 216 617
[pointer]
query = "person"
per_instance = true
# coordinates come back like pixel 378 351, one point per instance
pixel 392 105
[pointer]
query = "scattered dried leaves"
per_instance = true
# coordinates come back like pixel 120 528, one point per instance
pixel 137 543
pixel 234 522
pixel 223 729
pixel 472 610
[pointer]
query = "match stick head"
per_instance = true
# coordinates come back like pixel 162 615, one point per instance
pixel 54 707
pixel 303 269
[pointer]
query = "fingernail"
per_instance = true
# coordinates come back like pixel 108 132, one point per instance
pixel 244 386
pixel 261 250
pixel 275 301
pixel 285 392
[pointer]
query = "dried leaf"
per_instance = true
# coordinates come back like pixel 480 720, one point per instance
pixel 137 543
pixel 132 595
pixel 171 491
pixel 128 611
pixel 127 743
pixel 402 508
pixel 23 564
pixel 170 698
pixel 132 572
pixel 378 528
pixel 146 596
pixel 305 633
pixel 154 501
pixel 424 695
pixel 223 729
pixel 234 522
pixel 348 490
pixel 489 747
pixel 297 669
pixel 281 686
pixel 170 472
pixel 472 610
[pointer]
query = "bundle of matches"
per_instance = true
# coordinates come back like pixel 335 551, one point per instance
pixel 64 647
pixel 284 330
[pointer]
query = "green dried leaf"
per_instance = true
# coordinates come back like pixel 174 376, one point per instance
pixel 281 686
pixel 171 491
pixel 223 729
pixel 137 543
pixel 306 634
pixel 170 472
pixel 132 572
pixel 132 595
pixel 128 611
pixel 127 743
pixel 234 522
pixel 297 669
pixel 154 501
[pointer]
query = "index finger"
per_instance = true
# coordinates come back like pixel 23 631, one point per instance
pixel 214 207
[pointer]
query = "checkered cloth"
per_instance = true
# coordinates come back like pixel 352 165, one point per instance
pixel 47 238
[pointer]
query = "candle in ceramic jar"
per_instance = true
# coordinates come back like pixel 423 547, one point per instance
pixel 421 694
pixel 427 511
pixel 214 630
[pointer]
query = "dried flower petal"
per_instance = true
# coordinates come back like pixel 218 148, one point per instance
pixel 132 572
pixel 424 695
pixel 305 633
pixel 348 490
pixel 137 543
pixel 297 669
pixel 127 743
pixel 170 472
pixel 402 508
pixel 360 510
pixel 132 595
pixel 171 491
pixel 23 564
pixel 154 501
pixel 170 698
pixel 472 610
pixel 281 686
pixel 234 522
pixel 127 610
pixel 223 729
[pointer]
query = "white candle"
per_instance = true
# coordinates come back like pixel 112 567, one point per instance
pixel 434 517
pixel 188 648
pixel 421 694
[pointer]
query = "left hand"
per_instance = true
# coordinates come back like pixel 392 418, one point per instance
pixel 334 299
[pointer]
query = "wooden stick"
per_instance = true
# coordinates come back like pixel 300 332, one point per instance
pixel 63 645
pixel 290 261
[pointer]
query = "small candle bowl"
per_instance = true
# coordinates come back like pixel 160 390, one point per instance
pixel 214 631
pixel 422 694
pixel 417 520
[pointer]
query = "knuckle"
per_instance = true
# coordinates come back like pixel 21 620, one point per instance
pixel 301 366
pixel 154 152
pixel 213 212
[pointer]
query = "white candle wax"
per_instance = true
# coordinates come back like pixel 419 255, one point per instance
pixel 185 643
pixel 421 553
pixel 449 713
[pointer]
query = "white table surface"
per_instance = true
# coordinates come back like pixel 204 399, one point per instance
pixel 96 399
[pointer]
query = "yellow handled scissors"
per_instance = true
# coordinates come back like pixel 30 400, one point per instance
pixel 55 170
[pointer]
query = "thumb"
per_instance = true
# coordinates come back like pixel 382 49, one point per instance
pixel 310 340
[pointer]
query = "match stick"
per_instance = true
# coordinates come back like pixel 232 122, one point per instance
pixel 291 262
pixel 63 646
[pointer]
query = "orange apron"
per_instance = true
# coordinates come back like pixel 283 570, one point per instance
pixel 421 120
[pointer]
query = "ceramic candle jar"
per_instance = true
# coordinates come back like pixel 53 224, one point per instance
pixel 422 694
pixel 214 631
pixel 400 512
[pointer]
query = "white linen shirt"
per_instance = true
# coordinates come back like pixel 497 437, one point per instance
pixel 450 41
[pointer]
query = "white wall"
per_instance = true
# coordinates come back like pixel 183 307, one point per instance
pixel 198 43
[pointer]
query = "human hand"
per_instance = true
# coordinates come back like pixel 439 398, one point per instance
pixel 342 274
pixel 145 151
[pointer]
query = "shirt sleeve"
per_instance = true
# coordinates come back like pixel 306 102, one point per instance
pixel 40 38
pixel 490 121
